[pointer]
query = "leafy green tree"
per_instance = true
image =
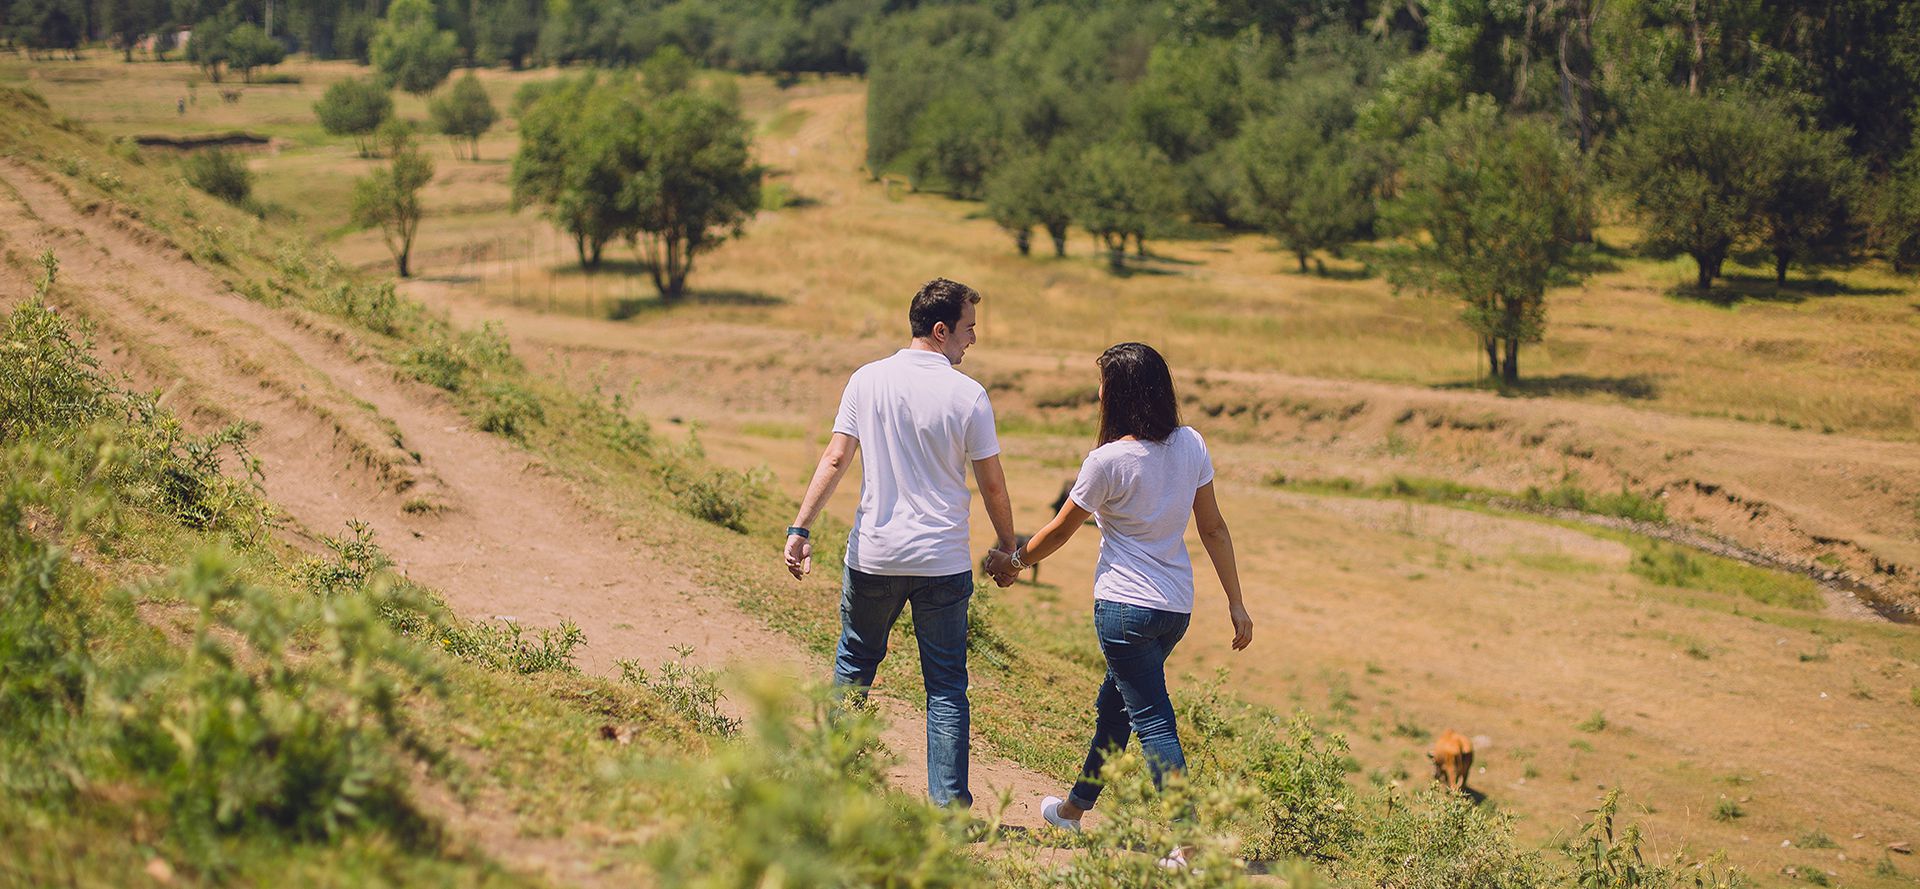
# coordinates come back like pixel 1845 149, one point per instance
pixel 464 112
pixel 389 197
pixel 134 19
pixel 249 48
pixel 577 139
pixel 697 184
pixel 1689 166
pixel 1123 190
pixel 207 48
pixel 410 50
pixel 1492 210
pixel 1032 190
pixel 667 71
pixel 956 140
pixel 1306 191
pixel 356 107
pixel 1895 220
pixel 1812 196
pixel 507 31
pixel 1303 180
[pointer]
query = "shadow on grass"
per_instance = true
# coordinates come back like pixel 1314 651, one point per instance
pixel 632 307
pixel 1732 290
pixel 1637 387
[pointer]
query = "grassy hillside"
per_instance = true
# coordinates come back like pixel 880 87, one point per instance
pixel 1274 789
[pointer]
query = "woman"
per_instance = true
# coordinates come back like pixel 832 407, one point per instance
pixel 1148 475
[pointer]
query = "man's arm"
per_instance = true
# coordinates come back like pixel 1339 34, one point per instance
pixel 993 490
pixel 826 476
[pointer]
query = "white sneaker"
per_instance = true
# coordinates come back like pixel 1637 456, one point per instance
pixel 1050 810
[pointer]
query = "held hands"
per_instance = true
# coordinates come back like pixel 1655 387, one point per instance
pixel 999 565
pixel 799 556
pixel 1242 626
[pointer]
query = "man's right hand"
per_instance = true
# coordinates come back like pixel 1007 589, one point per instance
pixel 799 556
pixel 1000 567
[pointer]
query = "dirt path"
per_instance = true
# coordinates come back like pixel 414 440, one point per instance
pixel 343 438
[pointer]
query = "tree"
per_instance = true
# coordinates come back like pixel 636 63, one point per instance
pixel 1123 190
pixel 410 50
pixel 1307 191
pixel 1492 208
pixel 1896 214
pixel 1811 197
pixel 1032 190
pixel 576 140
pixel 464 112
pixel 134 19
pixel 507 31
pixel 1688 165
pixel 667 71
pixel 389 197
pixel 697 184
pixel 207 48
pixel 248 48
pixel 355 107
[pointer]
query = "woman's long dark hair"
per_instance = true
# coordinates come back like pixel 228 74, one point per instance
pixel 1136 394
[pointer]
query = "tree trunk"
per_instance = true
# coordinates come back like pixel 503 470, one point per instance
pixel 1492 346
pixel 1707 268
pixel 1023 239
pixel 1780 258
pixel 1510 372
pixel 1140 245
pixel 580 247
pixel 1059 235
pixel 1302 256
pixel 400 259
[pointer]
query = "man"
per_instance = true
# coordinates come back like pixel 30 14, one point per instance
pixel 921 422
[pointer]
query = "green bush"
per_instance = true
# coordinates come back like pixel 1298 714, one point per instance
pixel 508 647
pixel 689 690
pixel 509 410
pixel 710 493
pixel 222 174
pixel 802 802
pixel 1436 839
pixel 49 379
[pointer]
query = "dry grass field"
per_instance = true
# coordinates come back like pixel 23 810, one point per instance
pixel 1741 709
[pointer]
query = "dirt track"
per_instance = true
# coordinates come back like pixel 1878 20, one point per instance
pixel 343 438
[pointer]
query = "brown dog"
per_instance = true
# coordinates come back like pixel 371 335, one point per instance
pixel 1452 757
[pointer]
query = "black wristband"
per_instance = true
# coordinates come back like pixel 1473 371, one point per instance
pixel 796 530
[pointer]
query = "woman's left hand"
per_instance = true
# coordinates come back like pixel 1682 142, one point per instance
pixel 1242 626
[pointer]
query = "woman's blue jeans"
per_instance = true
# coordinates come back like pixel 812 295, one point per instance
pixel 1133 700
pixel 869 606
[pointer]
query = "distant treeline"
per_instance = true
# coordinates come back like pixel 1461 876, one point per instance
pixel 743 35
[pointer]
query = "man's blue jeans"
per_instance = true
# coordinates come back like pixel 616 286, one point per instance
pixel 869 605
pixel 1133 700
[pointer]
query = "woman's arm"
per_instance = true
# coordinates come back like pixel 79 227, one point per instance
pixel 1219 544
pixel 1055 534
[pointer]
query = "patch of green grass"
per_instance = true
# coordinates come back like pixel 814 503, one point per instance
pixel 1815 840
pixel 1727 810
pixel 771 429
pixel 1595 723
pixel 1674 566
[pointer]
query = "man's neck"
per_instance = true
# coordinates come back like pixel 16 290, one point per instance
pixel 921 344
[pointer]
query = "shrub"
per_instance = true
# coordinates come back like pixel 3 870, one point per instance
pixel 245 738
pixel 1436 839
pixel 222 174
pixel 49 379
pixel 355 107
pixel 509 410
pixel 689 690
pixel 1727 810
pixel 508 647
pixel 1595 723
pixel 802 803
pixel 355 560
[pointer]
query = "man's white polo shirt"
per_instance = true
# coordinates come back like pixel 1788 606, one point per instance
pixel 920 423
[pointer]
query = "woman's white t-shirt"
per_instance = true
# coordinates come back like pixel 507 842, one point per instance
pixel 1141 494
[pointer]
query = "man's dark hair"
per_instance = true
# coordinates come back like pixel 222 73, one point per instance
pixel 1136 394
pixel 939 300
